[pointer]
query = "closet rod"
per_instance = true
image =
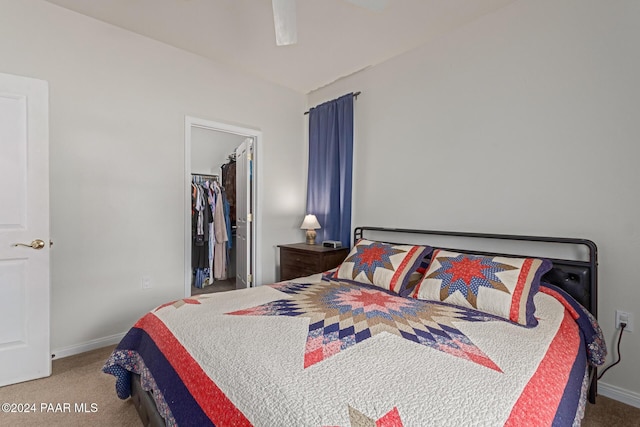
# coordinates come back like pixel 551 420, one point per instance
pixel 203 175
pixel 355 96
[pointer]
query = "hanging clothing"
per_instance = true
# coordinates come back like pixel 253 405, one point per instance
pixel 211 200
pixel 211 229
pixel 201 215
pixel 202 232
pixel 221 237
pixel 227 218
pixel 229 183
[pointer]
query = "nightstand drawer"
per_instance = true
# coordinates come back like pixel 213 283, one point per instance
pixel 300 259
pixel 288 272
pixel 297 259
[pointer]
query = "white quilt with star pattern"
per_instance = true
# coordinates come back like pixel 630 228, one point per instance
pixel 319 352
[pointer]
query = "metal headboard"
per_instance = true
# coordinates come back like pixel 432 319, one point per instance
pixel 579 278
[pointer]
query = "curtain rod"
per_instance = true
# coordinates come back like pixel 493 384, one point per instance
pixel 355 96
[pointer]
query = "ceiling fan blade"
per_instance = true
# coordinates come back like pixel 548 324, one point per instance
pixel 284 19
pixel 375 5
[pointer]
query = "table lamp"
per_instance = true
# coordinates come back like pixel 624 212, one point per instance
pixel 310 224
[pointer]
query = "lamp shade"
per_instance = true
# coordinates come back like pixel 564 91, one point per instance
pixel 310 223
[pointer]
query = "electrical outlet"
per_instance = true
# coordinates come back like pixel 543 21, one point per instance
pixel 624 317
pixel 146 282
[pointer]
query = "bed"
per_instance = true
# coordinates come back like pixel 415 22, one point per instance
pixel 400 334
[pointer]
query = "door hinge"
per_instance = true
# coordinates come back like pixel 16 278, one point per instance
pixel 249 156
pixel 250 278
pixel 249 217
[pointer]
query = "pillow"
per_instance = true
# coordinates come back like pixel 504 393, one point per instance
pixel 383 265
pixel 329 274
pixel 416 276
pixel 502 286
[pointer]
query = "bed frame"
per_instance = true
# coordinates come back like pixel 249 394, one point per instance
pixel 578 277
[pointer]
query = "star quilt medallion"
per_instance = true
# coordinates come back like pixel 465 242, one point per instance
pixel 341 315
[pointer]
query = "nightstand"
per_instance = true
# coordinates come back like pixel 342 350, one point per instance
pixel 300 259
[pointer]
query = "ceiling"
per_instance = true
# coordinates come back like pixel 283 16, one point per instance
pixel 335 37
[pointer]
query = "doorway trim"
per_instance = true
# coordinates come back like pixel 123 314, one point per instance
pixel 256 225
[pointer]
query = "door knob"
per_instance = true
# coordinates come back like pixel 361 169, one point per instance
pixel 36 244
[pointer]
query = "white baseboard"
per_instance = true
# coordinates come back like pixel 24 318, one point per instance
pixel 619 394
pixel 86 346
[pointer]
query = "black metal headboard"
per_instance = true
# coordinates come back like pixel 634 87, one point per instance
pixel 579 278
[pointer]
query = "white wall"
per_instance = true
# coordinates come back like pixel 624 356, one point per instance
pixel 117 107
pixel 524 122
pixel 210 149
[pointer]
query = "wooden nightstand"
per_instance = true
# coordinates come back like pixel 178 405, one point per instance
pixel 300 259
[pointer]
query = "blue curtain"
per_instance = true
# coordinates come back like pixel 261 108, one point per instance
pixel 330 168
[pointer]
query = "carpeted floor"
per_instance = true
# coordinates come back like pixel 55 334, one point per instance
pixel 90 399
pixel 610 413
pixel 75 380
pixel 217 286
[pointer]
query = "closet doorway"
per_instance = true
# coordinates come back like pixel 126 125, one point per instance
pixel 217 154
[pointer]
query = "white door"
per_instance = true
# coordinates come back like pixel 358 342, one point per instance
pixel 24 220
pixel 244 217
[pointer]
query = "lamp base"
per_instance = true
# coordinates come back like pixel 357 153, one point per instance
pixel 311 237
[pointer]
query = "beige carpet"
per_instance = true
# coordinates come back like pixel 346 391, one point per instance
pixel 217 286
pixel 75 380
pixel 610 413
pixel 79 380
